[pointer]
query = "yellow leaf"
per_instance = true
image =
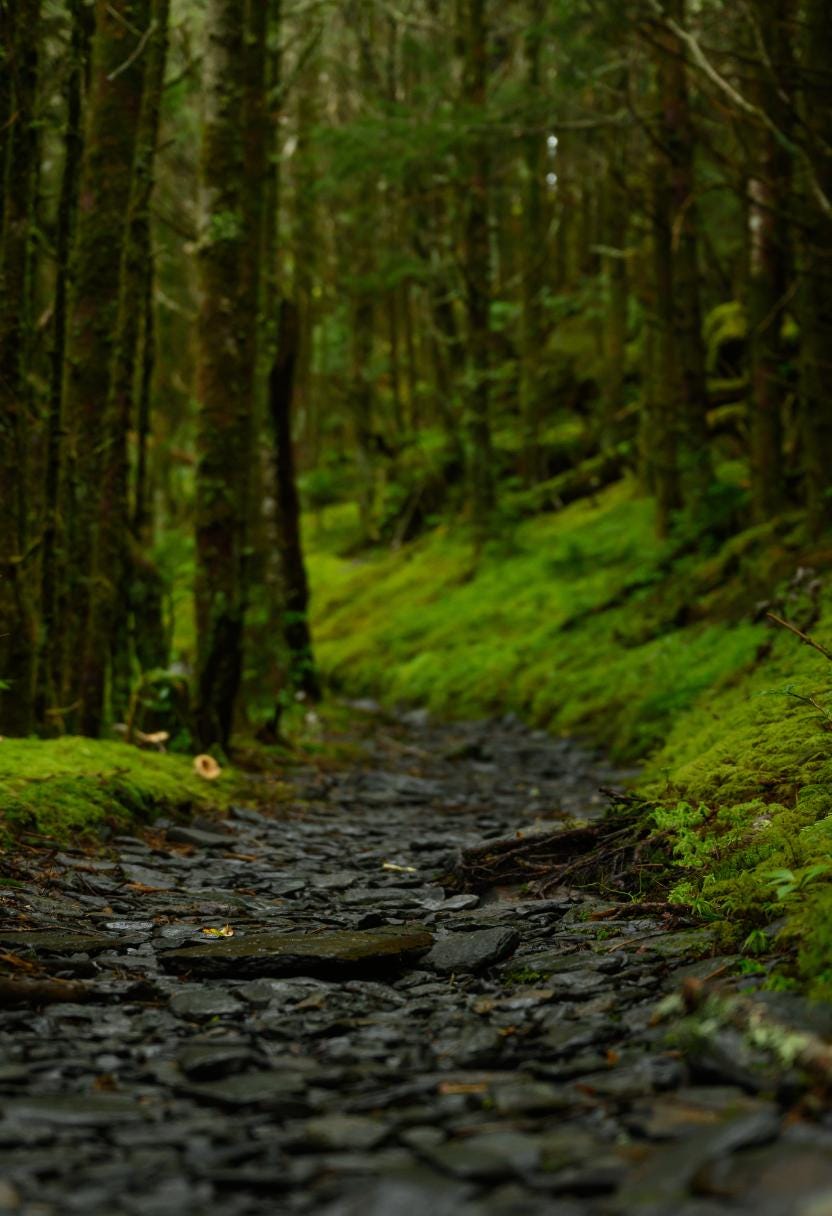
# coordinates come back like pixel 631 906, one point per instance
pixel 225 931
pixel 391 865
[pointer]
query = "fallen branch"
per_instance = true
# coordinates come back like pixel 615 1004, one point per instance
pixel 798 633
pixel 41 992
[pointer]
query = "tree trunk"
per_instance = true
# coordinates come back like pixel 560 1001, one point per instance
pixel 48 675
pixel 107 648
pixel 769 191
pixel 679 141
pixel 534 256
pixel 302 676
pixel 18 644
pixel 815 268
pixel 112 121
pixel 476 258
pixel 224 381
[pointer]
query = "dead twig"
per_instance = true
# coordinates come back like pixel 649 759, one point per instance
pixel 798 633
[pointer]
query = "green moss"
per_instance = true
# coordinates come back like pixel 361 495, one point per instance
pixel 68 788
pixel 583 622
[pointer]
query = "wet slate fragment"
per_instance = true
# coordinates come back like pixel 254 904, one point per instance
pixel 341 954
pixel 469 952
pixel 199 837
pixel 201 1003
pixel 48 942
pixel 345 1132
pixel 76 1110
pixel 281 1093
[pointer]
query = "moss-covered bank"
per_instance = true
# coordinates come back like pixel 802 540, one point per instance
pixel 68 789
pixel 583 622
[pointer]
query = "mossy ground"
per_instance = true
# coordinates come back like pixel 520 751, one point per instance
pixel 583 622
pixel 67 789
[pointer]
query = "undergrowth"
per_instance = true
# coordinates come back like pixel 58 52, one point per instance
pixel 583 622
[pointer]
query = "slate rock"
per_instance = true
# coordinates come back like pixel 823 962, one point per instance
pixel 199 837
pixel 465 953
pixel 345 1132
pixel 204 1003
pixel 76 1110
pixel 488 1158
pixel 332 955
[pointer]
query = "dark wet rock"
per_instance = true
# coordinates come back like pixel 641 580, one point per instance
pixel 48 942
pixel 76 1110
pixel 488 1158
pixel 337 954
pixel 212 1061
pixel 413 1192
pixel 281 1093
pixel 349 1132
pixel 204 1002
pixel 461 953
pixel 200 837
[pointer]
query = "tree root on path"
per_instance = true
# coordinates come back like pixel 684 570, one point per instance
pixel 45 991
pixel 608 855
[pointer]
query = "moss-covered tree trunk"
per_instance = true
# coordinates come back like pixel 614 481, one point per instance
pixel 301 673
pixel 48 673
pixel 532 406
pixel 18 645
pixel 106 641
pixel 769 231
pixel 476 262
pixel 224 379
pixel 815 265
pixel 678 138
pixel 111 124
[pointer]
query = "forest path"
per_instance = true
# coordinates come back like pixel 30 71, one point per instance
pixel 512 1070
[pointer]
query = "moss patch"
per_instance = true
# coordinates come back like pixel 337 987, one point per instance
pixel 583 622
pixel 68 788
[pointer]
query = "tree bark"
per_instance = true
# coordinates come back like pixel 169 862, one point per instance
pixel 301 674
pixel 476 259
pixel 224 382
pixel 112 121
pixel 107 640
pixel 18 629
pixel 769 233
pixel 815 268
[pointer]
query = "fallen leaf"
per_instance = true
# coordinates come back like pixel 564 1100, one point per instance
pixel 207 767
pixel 463 1087
pixel 391 865
pixel 225 931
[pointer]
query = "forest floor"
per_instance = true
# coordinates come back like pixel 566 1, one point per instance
pixel 373 1040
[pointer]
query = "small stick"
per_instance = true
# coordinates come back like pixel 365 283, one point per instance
pixel 798 633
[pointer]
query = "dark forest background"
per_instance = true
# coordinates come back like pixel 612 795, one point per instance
pixel 458 261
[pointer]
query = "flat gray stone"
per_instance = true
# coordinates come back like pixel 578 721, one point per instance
pixel 342 954
pixel 345 1132
pixel 469 952
pixel 76 1110
pixel 197 836
pixel 204 1003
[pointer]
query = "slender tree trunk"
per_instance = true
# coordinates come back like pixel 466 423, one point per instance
pixel 107 649
pixel 534 255
pixel 679 141
pixel 112 121
pixel 302 676
pixel 18 644
pixel 224 381
pixel 815 268
pixel 48 675
pixel 476 256
pixel 769 190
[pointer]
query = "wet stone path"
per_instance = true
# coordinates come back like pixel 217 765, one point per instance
pixel 369 1042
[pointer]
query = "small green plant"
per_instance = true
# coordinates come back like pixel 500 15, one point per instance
pixel 786 883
